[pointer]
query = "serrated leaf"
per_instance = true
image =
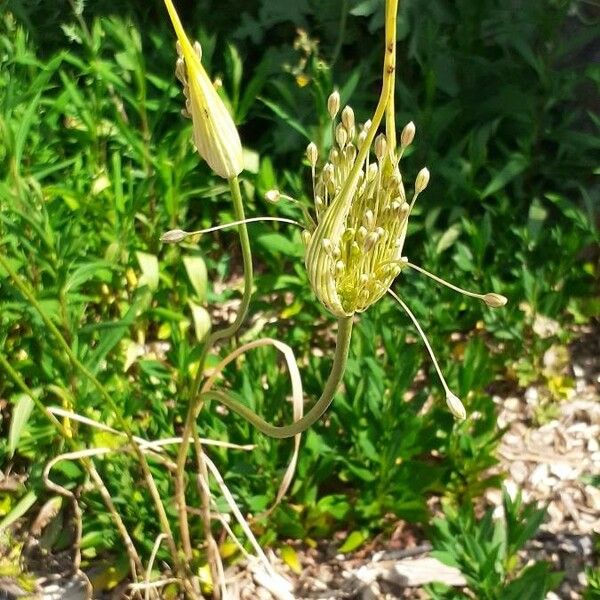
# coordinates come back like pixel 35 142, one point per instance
pixel 197 274
pixel 20 416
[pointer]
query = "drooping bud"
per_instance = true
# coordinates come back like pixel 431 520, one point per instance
pixel 273 196
pixel 312 154
pixel 456 406
pixel 407 135
pixel 422 180
pixel 214 132
pixel 174 236
pixel 333 104
pixel 495 300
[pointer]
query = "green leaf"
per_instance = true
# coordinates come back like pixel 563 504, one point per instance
pixel 20 416
pixel 448 238
pixel 149 266
pixel 517 164
pixel 353 541
pixel 22 506
pixel 202 323
pixel 290 558
pixel 196 271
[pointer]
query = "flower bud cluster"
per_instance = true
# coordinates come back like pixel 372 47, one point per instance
pixel 355 252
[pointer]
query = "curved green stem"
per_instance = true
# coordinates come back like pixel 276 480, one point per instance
pixel 213 338
pixel 336 375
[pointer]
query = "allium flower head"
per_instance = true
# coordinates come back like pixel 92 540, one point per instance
pixel 355 251
pixel 214 132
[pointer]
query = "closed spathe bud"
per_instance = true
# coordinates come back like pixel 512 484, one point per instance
pixel 215 135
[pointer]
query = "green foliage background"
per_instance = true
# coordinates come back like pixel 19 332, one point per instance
pixel 96 163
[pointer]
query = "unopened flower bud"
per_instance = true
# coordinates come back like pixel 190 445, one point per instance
pixel 348 118
pixel 312 154
pixel 214 132
pixel 174 236
pixel 495 300
pixel 456 406
pixel 333 104
pixel 273 196
pixel 422 180
pixel 407 135
pixel 341 135
pixel 380 146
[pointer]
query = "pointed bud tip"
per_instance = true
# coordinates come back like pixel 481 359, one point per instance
pixel 495 300
pixel 174 236
pixel 456 406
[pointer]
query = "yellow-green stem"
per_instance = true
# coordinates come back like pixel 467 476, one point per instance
pixel 336 374
pixel 213 338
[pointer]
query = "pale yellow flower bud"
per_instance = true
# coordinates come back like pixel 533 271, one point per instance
pixel 495 300
pixel 312 154
pixel 215 135
pixel 407 135
pixel 273 196
pixel 173 236
pixel 333 104
pixel 422 180
pixel 456 406
pixel 348 118
pixel 380 146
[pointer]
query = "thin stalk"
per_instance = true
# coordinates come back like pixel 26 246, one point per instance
pixel 162 514
pixel 336 374
pixel 444 282
pixel 221 334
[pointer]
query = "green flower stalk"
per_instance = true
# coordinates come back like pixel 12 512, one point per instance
pixel 355 240
pixel 215 135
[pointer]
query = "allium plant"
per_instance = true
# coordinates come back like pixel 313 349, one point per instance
pixel 354 234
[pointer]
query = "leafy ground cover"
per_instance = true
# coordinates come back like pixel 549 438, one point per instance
pixel 96 164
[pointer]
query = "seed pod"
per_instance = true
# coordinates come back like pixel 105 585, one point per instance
pixel 348 118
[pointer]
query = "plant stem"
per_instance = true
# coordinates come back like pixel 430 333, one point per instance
pixel 213 338
pixel 336 374
pixel 162 514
